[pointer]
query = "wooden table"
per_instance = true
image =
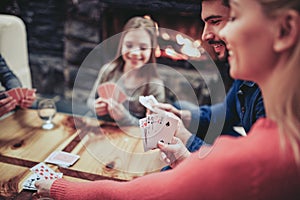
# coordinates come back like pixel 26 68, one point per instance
pixel 106 151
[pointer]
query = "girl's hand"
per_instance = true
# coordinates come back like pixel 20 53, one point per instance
pixel 101 107
pixel 116 110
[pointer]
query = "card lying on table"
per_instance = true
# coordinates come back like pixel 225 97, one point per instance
pixel 157 127
pixel 62 158
pixel 40 172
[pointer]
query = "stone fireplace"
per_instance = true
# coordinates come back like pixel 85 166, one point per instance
pixel 62 33
pixel 181 16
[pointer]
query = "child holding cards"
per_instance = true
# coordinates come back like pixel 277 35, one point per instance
pixel 133 74
pixel 8 101
pixel 266 164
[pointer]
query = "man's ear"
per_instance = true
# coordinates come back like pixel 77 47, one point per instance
pixel 288 30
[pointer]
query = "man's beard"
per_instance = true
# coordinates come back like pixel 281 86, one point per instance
pixel 222 58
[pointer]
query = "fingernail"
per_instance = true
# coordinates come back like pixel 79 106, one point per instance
pixel 161 142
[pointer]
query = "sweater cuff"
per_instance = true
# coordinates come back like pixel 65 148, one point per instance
pixel 58 189
pixel 194 143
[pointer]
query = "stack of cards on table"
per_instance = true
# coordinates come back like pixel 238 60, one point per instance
pixel 61 158
pixel 110 90
pixel 40 172
pixel 156 127
pixel 20 93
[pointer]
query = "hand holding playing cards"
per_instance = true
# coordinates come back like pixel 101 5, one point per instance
pixel 24 97
pixel 109 106
pixel 27 101
pixel 185 115
pixel 173 153
pixel 181 132
pixel 101 107
pixel 7 104
pixel 43 187
pixel 116 110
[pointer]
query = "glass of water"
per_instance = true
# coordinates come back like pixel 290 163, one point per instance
pixel 46 111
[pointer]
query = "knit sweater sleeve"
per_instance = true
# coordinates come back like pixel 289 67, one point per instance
pixel 206 171
pixel 171 184
pixel 231 169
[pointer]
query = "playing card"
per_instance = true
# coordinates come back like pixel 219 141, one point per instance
pixel 240 130
pixel 45 172
pixel 40 172
pixel 30 92
pixel 157 127
pixel 20 93
pixel 111 90
pixel 121 95
pixel 103 90
pixel 41 167
pixel 143 122
pixel 29 182
pixel 24 92
pixel 148 101
pixel 62 158
pixel 14 94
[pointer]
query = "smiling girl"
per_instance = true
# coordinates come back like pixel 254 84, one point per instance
pixel 134 71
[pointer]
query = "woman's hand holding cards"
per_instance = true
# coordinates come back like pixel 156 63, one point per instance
pixel 173 153
pixel 181 132
pixel 184 115
pixel 43 187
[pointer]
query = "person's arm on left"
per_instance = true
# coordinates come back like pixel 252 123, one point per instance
pixel 6 105
pixel 7 78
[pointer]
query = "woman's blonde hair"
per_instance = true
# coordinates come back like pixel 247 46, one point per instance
pixel 285 106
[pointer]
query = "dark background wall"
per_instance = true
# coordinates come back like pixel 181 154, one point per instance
pixel 61 33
